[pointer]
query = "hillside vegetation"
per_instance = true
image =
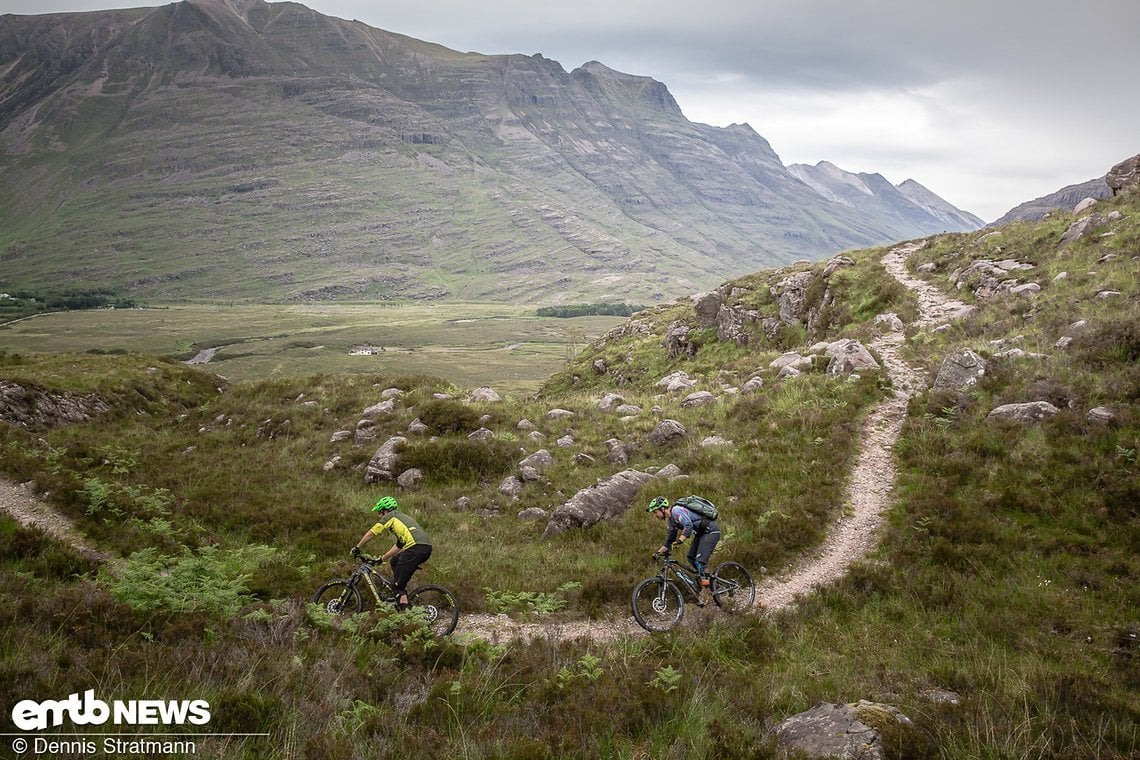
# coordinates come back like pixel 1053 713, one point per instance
pixel 1007 576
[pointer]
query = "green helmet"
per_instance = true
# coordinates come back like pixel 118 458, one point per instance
pixel 386 504
pixel 658 502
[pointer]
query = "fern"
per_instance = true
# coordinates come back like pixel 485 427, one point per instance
pixel 213 580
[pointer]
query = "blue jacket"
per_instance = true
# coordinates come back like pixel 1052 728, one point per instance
pixel 685 522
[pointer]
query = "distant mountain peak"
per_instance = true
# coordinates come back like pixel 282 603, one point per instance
pixel 744 127
pixel 598 69
pixel 244 149
pixel 831 182
pixel 641 89
pixel 1065 198
pixel 908 202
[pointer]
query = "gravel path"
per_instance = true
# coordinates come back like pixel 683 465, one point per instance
pixel 18 500
pixel 872 480
pixel 850 539
pixel 854 533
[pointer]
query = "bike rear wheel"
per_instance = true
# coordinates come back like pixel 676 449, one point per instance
pixel 437 606
pixel 339 598
pixel 732 587
pixel 657 604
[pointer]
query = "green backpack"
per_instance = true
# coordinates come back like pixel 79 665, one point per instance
pixel 700 505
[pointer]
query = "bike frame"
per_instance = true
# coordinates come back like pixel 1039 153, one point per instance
pixel 436 605
pixel 373 579
pixel 689 580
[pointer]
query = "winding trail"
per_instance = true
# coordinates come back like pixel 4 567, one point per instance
pixel 868 493
pixel 872 480
pixel 851 538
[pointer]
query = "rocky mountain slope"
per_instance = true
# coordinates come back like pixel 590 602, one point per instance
pixel 1065 198
pixel 240 149
pixel 1119 177
pixel 872 195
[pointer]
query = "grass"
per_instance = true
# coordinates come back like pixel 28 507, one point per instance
pixel 470 344
pixel 1006 574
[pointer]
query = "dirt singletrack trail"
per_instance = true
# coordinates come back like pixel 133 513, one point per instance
pixel 872 480
pixel 868 493
pixel 18 501
pixel 852 536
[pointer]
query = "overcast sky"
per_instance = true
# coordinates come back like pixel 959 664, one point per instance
pixel 988 103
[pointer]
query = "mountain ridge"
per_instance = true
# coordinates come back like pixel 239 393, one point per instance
pixel 1065 198
pixel 224 149
pixel 873 193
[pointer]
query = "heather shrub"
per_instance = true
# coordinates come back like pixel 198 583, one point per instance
pixel 1114 341
pixel 449 460
pixel 37 553
pixel 444 416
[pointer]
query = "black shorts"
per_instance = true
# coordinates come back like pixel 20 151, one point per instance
pixel 406 562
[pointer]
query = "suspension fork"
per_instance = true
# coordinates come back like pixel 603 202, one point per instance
pixel 664 584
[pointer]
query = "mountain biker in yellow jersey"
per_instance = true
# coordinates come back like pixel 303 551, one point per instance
pixel 412 547
pixel 683 523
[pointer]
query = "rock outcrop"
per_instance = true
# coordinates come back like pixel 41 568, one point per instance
pixel 1082 228
pixel 849 357
pixel 1124 175
pixel 843 731
pixel 485 394
pixel 604 500
pixel 383 464
pixel 1033 411
pixel 34 409
pixel 667 432
pixel 959 370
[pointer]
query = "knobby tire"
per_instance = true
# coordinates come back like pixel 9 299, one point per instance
pixel 339 598
pixel 657 604
pixel 437 606
pixel 732 587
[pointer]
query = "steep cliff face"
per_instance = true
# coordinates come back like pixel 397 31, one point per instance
pixel 240 149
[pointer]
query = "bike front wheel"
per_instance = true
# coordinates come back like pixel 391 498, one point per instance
pixel 339 598
pixel 732 587
pixel 437 606
pixel 657 604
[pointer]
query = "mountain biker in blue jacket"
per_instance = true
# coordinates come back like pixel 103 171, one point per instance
pixel 683 523
pixel 412 547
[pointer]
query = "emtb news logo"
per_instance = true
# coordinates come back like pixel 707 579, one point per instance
pixel 30 715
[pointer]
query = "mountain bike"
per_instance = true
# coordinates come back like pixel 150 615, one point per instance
pixel 435 604
pixel 659 602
